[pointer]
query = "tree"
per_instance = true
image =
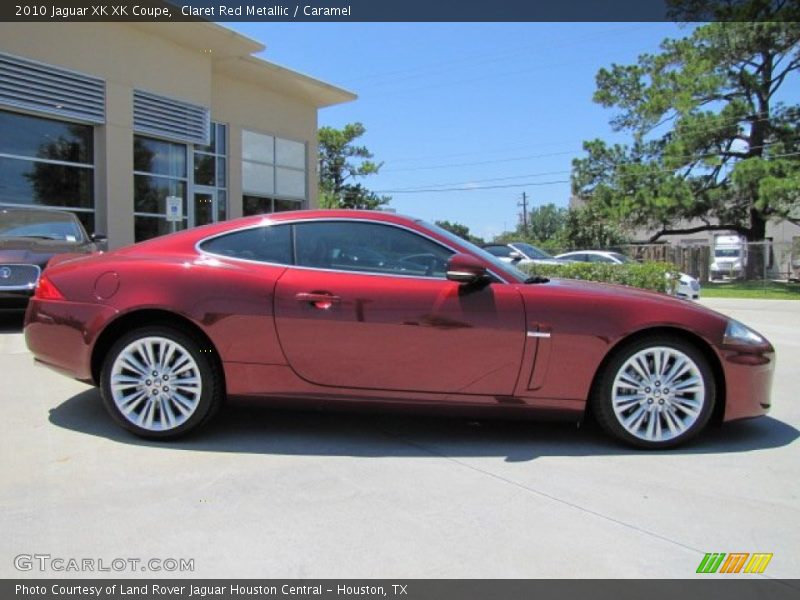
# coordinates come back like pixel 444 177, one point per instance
pixel 586 228
pixel 461 231
pixel 546 221
pixel 545 228
pixel 341 162
pixel 710 142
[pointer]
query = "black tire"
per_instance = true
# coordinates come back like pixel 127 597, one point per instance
pixel 208 369
pixel 603 403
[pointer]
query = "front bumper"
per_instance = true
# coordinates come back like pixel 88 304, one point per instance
pixel 719 271
pixel 61 334
pixel 748 382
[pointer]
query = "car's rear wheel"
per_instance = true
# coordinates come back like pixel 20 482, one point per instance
pixel 657 392
pixel 159 382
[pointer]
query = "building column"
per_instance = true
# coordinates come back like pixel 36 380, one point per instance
pixel 114 167
pixel 234 171
pixel 312 167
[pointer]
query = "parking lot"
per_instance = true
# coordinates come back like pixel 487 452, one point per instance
pixel 267 493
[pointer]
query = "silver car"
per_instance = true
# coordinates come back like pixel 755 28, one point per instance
pixel 522 253
pixel 688 286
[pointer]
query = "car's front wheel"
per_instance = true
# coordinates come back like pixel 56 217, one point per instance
pixel 655 393
pixel 159 382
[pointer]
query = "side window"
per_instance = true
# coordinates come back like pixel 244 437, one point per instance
pixel 368 248
pixel 265 244
pixel 499 251
pixel 598 258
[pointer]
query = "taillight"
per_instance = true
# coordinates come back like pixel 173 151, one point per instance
pixel 46 290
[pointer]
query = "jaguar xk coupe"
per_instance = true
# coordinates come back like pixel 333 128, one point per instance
pixel 372 309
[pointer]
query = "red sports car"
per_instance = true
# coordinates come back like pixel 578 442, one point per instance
pixel 351 308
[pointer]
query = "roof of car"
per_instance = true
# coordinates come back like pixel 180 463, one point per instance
pixel 196 234
pixel 34 211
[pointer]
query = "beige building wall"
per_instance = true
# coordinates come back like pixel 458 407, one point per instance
pixel 201 63
pixel 243 105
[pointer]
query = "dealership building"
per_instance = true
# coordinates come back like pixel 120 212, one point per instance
pixel 109 120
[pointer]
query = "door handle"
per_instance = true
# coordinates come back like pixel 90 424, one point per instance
pixel 319 300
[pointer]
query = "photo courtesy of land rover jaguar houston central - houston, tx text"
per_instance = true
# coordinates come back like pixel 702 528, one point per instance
pixel 371 309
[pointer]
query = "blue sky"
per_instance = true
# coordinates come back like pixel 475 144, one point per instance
pixel 466 105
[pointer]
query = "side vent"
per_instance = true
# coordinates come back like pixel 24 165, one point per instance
pixel 43 88
pixel 171 119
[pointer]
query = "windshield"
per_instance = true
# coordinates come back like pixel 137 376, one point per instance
pixel 532 251
pixel 498 265
pixel 732 253
pixel 51 226
pixel 621 257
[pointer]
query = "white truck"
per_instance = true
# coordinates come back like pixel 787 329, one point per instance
pixel 730 256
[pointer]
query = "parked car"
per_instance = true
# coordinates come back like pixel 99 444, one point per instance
pixel 688 287
pixel 260 308
pixel 522 253
pixel 29 238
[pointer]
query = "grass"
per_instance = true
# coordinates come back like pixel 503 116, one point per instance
pixel 769 290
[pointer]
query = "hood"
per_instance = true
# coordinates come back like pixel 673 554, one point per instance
pixel 37 251
pixel 594 289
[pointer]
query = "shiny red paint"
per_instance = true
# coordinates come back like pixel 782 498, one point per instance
pixel 295 334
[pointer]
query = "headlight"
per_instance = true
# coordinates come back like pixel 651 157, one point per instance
pixel 736 333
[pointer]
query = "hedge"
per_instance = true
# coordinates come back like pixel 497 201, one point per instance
pixel 657 276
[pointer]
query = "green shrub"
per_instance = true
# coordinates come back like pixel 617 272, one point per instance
pixel 656 276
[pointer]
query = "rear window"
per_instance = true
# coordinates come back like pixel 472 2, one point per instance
pixel 271 244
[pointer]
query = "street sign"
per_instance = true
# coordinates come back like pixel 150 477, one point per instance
pixel 174 209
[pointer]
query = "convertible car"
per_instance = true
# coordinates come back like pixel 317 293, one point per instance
pixel 372 309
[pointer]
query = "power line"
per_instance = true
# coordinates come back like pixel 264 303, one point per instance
pixel 474 189
pixel 448 84
pixel 726 123
pixel 481 57
pixel 470 188
pixel 473 181
pixel 506 148
pixel 481 162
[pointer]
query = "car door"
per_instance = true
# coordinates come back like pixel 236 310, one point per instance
pixel 393 322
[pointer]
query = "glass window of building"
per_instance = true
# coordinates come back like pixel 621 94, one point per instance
pixel 159 170
pixel 210 177
pixel 197 174
pixel 47 163
pixel 274 175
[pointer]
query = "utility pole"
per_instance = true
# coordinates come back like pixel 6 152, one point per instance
pixel 524 205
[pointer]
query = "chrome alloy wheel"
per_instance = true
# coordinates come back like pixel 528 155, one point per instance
pixel 658 394
pixel 155 383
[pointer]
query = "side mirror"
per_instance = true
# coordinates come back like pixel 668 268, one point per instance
pixel 99 237
pixel 515 256
pixel 465 269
